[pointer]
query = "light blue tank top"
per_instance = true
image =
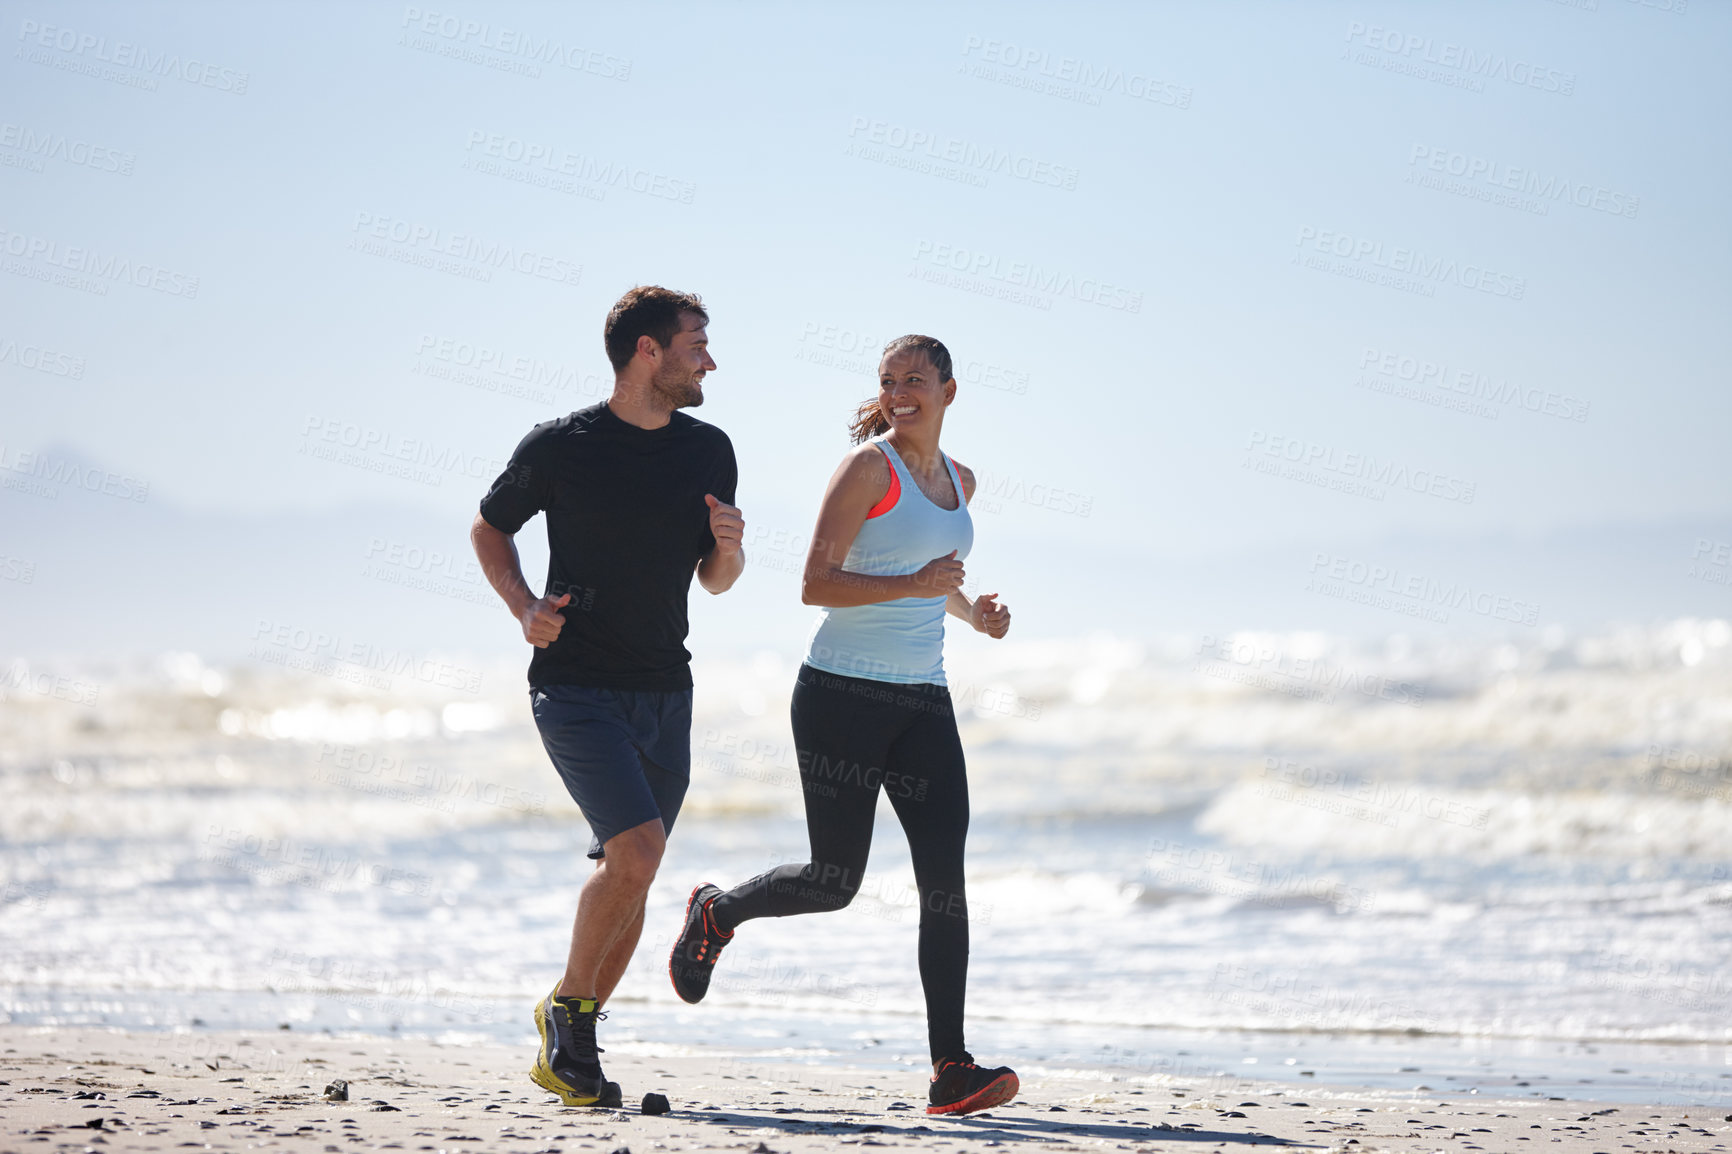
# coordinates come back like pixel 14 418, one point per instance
pixel 901 641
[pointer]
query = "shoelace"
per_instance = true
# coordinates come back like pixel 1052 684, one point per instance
pixel 705 955
pixel 565 1011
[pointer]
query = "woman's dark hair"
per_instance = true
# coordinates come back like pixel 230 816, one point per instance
pixel 646 311
pixel 868 419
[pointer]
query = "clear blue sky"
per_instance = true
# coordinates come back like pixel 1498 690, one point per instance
pixel 822 173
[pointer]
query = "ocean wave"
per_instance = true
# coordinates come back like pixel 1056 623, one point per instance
pixel 1366 818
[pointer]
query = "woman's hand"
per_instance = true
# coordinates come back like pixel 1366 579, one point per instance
pixel 988 616
pixel 940 577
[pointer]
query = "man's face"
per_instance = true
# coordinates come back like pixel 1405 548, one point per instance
pixel 679 377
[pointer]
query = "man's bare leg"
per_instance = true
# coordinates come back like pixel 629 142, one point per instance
pixel 610 909
pixel 618 958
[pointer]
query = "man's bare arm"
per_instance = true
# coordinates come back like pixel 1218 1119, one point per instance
pixel 497 552
pixel 722 566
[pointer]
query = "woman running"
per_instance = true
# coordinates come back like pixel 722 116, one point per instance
pixel 870 706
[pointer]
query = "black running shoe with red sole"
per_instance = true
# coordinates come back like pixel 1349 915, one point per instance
pixel 961 1087
pixel 694 955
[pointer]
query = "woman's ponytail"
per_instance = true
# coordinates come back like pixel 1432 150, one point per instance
pixel 868 422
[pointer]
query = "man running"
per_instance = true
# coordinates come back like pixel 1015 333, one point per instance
pixel 638 497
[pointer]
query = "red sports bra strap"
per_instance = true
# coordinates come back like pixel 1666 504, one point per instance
pixel 889 502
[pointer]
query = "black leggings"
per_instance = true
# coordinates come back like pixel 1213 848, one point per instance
pixel 852 736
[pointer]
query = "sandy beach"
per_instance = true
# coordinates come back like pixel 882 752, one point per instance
pixel 92 1089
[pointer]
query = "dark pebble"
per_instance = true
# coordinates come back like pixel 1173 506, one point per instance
pixel 655 1104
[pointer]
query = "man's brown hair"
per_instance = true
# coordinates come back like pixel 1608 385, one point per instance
pixel 649 310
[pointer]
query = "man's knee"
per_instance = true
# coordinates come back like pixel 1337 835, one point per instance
pixel 634 856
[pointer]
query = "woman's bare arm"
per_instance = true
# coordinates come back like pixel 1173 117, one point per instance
pixel 860 482
pixel 983 613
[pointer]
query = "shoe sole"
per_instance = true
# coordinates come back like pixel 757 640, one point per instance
pixel 674 953
pixel 542 1075
pixel 995 1093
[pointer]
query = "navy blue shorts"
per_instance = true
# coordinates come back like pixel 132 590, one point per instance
pixel 625 755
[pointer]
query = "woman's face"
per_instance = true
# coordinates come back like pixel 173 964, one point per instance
pixel 910 395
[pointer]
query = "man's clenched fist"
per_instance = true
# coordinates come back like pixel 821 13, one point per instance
pixel 542 620
pixel 726 525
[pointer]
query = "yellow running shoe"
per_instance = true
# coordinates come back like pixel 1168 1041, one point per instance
pixel 568 1063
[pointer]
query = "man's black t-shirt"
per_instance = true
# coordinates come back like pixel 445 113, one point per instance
pixel 626 526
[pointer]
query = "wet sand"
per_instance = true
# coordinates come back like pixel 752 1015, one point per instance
pixel 91 1089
